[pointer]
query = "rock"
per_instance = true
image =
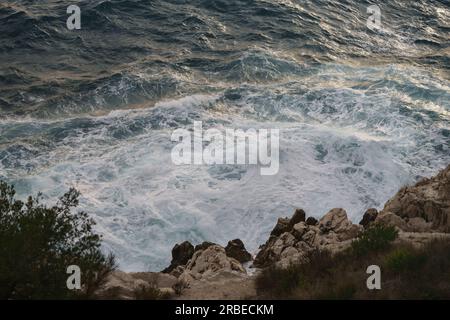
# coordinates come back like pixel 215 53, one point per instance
pixel 208 262
pixel 369 216
pixel 419 239
pixel 333 233
pixel 309 237
pixel 280 227
pixel 181 253
pixel 418 225
pixel 289 256
pixel 299 230
pixel 236 249
pixel 336 220
pixel 311 221
pixel 177 271
pixel 204 245
pixel 391 219
pixel 299 216
pixel 428 199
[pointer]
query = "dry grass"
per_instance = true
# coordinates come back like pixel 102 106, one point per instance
pixel 406 273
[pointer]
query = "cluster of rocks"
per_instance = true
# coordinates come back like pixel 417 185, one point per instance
pixel 424 207
pixel 188 260
pixel 291 240
pixel 206 260
pixel 420 213
pixel 200 269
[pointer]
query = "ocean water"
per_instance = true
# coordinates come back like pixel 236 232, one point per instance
pixel 361 112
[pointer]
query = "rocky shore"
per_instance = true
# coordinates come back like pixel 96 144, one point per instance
pixel 420 213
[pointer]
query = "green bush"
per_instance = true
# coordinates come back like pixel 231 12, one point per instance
pixel 374 239
pixel 38 243
pixel 404 259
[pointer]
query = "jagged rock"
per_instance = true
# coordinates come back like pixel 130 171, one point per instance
pixel 337 221
pixel 181 253
pixel 236 249
pixel 299 216
pixel 280 227
pixel 369 216
pixel 204 245
pixel 333 232
pixel 428 199
pixel 311 221
pixel 299 230
pixel 208 262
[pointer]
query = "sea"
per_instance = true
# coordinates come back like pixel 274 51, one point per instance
pixel 361 110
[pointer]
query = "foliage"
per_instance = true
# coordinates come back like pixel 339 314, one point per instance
pixel 38 243
pixel 407 272
pixel 376 238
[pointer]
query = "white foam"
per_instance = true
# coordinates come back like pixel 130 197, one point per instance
pixel 354 156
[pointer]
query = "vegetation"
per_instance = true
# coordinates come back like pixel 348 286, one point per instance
pixel 406 272
pixel 151 292
pixel 38 243
pixel 375 239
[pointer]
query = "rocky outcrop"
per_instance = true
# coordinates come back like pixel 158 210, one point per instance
pixel 209 262
pixel 181 253
pixel 236 249
pixel 333 232
pixel 421 213
pixel 424 207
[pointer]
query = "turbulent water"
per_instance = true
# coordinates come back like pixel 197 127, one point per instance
pixel 361 112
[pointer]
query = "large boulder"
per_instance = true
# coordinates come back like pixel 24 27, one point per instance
pixel 281 227
pixel 299 216
pixel 181 253
pixel 336 221
pixel 207 263
pixel 369 216
pixel 236 249
pixel 311 221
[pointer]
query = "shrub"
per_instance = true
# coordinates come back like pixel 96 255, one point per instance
pixel 38 243
pixel 279 282
pixel 404 259
pixel 276 282
pixel 374 239
pixel 406 273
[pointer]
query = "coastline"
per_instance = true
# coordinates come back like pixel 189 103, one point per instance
pixel 420 214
